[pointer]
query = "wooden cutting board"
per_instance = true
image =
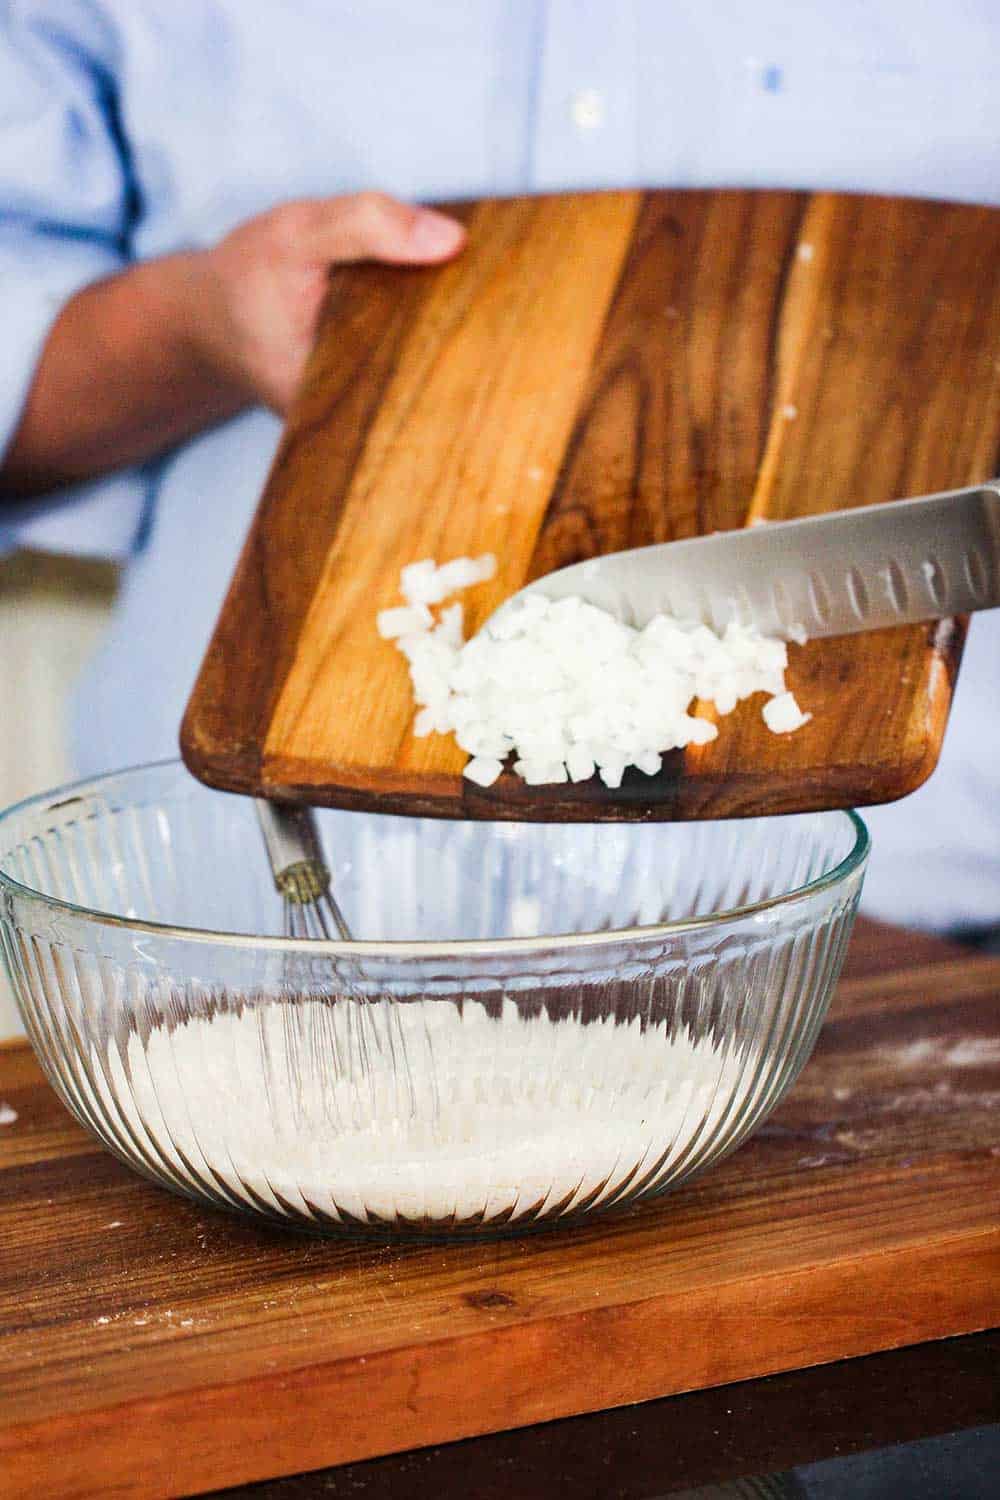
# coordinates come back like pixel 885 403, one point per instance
pixel 151 1347
pixel 597 372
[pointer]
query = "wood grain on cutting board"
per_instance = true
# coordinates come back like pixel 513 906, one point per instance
pixel 597 372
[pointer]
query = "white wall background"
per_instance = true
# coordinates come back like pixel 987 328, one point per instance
pixel 52 613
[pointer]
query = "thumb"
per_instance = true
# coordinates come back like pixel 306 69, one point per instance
pixel 372 226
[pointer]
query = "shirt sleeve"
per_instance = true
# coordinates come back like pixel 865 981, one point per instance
pixel 68 205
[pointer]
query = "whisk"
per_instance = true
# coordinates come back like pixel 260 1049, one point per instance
pixel 310 911
pixel 300 872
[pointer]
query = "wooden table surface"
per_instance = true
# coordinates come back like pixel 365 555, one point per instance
pixel 152 1347
pixel 855 1410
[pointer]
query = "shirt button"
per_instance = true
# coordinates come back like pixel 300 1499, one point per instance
pixel 587 109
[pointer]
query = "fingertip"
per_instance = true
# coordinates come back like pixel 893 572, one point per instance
pixel 435 236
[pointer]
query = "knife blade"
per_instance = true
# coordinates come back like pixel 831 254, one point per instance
pixel 832 574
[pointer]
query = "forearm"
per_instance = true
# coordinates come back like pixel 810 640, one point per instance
pixel 122 377
pixel 139 362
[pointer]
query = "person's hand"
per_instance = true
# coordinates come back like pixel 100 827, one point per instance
pixel 259 290
pixel 138 362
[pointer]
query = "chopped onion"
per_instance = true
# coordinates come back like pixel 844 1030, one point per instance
pixel 568 690
pixel 406 620
pixel 782 714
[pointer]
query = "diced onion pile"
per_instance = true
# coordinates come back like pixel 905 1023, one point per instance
pixel 568 689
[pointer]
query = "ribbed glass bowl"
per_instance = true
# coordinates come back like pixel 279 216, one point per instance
pixel 541 1020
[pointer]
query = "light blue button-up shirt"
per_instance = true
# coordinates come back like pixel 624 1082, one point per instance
pixel 132 128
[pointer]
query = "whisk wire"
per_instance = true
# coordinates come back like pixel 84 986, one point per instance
pixel 311 912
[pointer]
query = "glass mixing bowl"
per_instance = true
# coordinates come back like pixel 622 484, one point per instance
pixel 539 1020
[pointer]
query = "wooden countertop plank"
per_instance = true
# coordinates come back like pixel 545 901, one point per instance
pixel 150 1346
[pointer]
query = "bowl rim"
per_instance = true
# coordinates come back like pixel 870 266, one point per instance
pixel 854 860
